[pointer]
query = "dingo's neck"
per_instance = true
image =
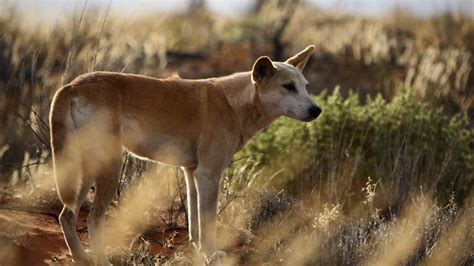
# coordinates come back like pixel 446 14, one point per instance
pixel 245 102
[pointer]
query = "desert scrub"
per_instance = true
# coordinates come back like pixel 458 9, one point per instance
pixel 403 143
pixel 277 228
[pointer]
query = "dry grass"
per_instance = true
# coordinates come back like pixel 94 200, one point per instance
pixel 299 203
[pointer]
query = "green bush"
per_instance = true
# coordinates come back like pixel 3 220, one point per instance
pixel 404 144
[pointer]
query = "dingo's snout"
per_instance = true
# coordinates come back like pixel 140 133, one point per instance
pixel 313 113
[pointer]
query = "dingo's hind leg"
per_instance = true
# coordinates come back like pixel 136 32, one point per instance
pixel 72 187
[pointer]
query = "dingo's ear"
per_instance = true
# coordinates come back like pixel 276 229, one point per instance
pixel 263 69
pixel 299 60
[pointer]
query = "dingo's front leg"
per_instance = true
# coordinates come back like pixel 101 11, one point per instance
pixel 207 185
pixel 192 206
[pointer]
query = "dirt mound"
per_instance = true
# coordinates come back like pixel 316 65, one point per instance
pixel 28 238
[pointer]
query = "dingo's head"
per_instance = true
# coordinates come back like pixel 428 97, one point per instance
pixel 282 88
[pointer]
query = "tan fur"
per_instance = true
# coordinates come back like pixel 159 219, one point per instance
pixel 194 124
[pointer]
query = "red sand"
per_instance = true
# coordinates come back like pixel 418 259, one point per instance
pixel 36 239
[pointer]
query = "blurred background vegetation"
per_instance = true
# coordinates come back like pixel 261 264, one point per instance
pixel 396 89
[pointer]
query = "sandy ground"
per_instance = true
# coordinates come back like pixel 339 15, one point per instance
pixel 28 238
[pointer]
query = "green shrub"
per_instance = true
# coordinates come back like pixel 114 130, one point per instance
pixel 403 143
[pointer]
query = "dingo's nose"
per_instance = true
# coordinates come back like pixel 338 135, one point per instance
pixel 313 112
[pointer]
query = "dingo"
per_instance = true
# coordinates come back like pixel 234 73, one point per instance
pixel 194 124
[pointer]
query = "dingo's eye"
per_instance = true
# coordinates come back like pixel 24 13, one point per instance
pixel 290 87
